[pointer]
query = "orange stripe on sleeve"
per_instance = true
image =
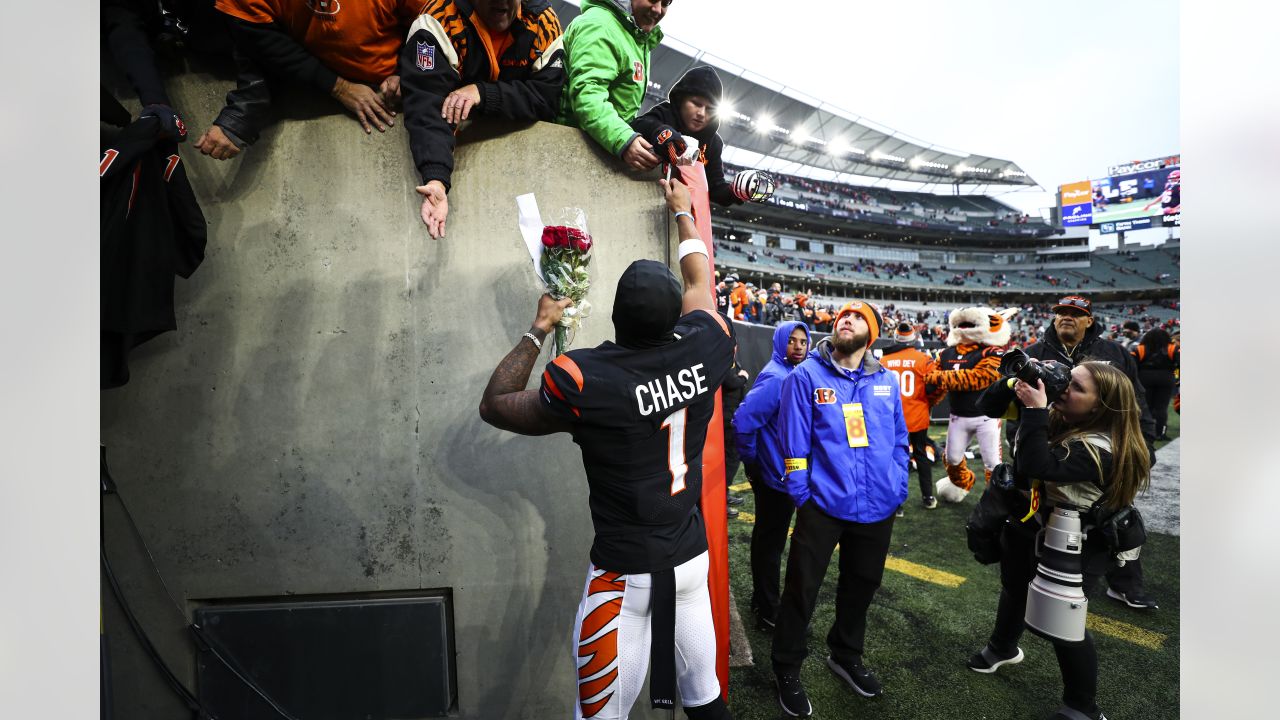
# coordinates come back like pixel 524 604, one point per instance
pixel 564 362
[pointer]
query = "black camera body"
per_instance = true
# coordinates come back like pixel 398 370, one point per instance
pixel 1055 375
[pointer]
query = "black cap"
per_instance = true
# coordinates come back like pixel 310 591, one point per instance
pixel 1131 325
pixel 701 80
pixel 646 305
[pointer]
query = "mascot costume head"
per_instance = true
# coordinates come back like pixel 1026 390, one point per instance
pixel 984 328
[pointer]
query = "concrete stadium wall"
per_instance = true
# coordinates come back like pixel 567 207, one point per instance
pixel 311 427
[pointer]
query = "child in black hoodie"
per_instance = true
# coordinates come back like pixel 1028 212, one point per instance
pixel 692 111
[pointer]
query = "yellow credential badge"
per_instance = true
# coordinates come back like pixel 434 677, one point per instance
pixel 1035 501
pixel 855 424
pixel 794 464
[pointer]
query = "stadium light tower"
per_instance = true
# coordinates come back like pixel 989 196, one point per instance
pixel 764 125
pixel 725 109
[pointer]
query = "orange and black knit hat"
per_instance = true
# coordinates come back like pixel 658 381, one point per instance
pixel 868 313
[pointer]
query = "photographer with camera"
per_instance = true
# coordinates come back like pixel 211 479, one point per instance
pixel 1073 337
pixel 1080 460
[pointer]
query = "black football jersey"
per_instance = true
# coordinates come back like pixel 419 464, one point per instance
pixel 640 418
pixel 964 396
pixel 151 229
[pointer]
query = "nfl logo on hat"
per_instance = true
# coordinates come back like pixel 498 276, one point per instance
pixel 426 56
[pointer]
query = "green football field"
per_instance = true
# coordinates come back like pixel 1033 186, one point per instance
pixel 937 606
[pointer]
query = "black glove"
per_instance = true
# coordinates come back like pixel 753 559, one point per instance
pixel 1002 477
pixel 170 121
pixel 1151 448
pixel 668 144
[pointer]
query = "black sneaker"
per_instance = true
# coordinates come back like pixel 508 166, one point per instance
pixel 857 677
pixel 735 500
pixel 791 695
pixel 1069 713
pixel 929 503
pixel 764 622
pixel 732 512
pixel 1134 599
pixel 899 512
pixel 987 660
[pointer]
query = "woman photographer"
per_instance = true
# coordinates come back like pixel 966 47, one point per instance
pixel 1086 448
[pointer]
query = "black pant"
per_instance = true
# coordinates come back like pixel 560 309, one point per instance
pixel 1078 662
pixel 1159 387
pixel 863 548
pixel 769 536
pixel 729 401
pixel 924 466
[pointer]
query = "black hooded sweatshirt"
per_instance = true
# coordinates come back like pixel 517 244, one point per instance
pixel 702 81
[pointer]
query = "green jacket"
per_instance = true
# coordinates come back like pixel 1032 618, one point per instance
pixel 607 63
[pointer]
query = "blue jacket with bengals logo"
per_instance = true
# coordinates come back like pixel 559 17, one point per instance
pixel 819 428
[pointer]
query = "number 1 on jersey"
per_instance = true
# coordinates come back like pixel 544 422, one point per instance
pixel 675 448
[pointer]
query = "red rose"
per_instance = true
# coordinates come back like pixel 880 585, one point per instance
pixel 548 237
pixel 583 243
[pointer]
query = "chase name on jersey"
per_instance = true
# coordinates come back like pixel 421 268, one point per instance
pixel 670 390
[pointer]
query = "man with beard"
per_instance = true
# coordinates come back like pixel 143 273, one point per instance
pixel 846 456
pixel 1073 338
pixel 639 410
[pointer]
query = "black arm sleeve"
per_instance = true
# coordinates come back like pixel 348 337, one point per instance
pixel 995 400
pixel 647 124
pixel 719 190
pixel 423 91
pixel 1035 459
pixel 271 48
pixel 125 34
pixel 248 106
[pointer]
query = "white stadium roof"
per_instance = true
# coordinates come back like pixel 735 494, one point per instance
pixel 764 117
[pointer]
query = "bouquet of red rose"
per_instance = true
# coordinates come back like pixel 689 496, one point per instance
pixel 566 252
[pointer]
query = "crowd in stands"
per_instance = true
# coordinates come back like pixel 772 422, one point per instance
pixel 770 306
pixel 1156 269
pixel 861 201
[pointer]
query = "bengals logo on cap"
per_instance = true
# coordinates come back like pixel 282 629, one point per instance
pixel 664 136
pixel 824 396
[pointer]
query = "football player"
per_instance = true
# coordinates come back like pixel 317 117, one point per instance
pixel 638 408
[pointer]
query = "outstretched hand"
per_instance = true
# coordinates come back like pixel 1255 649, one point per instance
pixel 435 207
pixel 677 195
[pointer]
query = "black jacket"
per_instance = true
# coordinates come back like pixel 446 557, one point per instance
pixel 151 229
pixel 1093 347
pixel 525 86
pixel 126 27
pixel 710 146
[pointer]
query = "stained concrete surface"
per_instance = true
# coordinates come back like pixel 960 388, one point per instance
pixel 1161 504
pixel 311 427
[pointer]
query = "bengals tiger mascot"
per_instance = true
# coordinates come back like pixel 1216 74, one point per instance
pixel 966 367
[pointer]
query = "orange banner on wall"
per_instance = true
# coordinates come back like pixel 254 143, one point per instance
pixel 713 479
